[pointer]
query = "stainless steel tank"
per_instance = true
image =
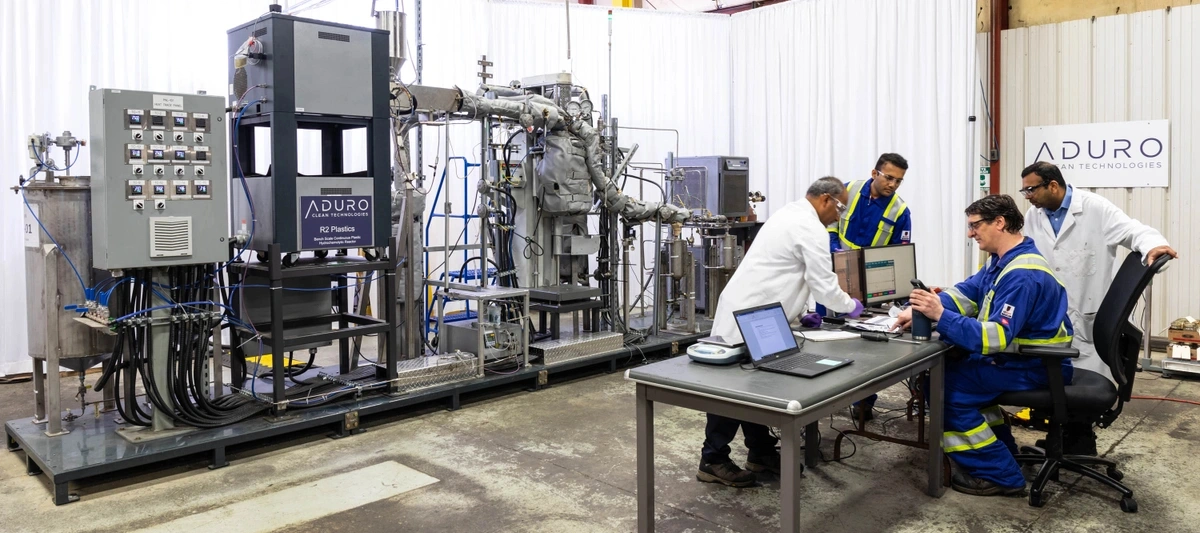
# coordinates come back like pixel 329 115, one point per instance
pixel 55 337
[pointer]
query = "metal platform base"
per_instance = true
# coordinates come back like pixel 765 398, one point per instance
pixel 557 351
pixel 99 449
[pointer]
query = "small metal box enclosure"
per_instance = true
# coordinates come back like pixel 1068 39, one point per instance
pixel 311 66
pixel 720 184
pixel 160 181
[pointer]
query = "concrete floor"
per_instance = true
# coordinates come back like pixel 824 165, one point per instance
pixel 562 460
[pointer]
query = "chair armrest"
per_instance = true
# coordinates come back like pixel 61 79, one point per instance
pixel 1051 352
pixel 1051 357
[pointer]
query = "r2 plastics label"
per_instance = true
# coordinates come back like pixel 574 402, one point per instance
pixel 335 222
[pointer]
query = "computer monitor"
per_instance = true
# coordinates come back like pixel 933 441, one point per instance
pixel 765 330
pixel 847 264
pixel 887 271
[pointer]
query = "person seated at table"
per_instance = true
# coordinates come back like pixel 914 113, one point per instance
pixel 789 262
pixel 1014 300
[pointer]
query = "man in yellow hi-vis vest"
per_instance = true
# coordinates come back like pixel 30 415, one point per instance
pixel 876 215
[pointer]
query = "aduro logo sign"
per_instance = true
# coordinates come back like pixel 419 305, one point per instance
pixel 337 207
pixel 1110 154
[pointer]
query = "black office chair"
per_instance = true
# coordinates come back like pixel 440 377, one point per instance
pixel 1090 395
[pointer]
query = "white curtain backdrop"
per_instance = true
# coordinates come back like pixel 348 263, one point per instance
pixel 822 87
pixel 805 89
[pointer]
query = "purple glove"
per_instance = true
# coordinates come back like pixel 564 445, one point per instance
pixel 858 309
pixel 811 320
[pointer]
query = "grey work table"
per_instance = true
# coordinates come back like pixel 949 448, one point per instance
pixel 787 402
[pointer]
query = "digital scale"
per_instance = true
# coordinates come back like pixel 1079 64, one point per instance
pixel 715 355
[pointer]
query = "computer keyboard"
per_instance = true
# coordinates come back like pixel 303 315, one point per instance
pixel 794 361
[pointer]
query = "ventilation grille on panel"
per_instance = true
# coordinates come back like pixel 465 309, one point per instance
pixel 335 190
pixel 170 236
pixel 333 36
pixel 259 32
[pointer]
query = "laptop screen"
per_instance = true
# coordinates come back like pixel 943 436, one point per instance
pixel 766 331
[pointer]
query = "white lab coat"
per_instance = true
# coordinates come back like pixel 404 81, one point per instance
pixel 1083 255
pixel 788 261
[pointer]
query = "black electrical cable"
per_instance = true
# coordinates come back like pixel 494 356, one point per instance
pixel 462 271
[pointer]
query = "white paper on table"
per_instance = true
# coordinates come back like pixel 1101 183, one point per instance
pixel 879 323
pixel 827 335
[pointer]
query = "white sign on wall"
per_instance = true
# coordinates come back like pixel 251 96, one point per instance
pixel 1109 154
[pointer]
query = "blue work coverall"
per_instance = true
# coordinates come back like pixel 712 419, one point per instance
pixel 1012 300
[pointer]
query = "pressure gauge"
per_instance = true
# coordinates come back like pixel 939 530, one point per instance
pixel 586 107
pixel 573 108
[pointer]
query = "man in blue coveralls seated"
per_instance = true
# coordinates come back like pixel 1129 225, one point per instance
pixel 1014 299
pixel 876 217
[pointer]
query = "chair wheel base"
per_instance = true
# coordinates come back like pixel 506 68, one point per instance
pixel 1037 500
pixel 1129 505
pixel 1115 474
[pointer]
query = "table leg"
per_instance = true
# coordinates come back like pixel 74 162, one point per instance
pixel 812 442
pixel 645 461
pixel 936 398
pixel 789 477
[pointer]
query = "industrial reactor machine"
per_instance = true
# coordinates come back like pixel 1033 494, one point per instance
pixel 220 235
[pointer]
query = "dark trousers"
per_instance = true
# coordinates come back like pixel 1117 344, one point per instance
pixel 720 431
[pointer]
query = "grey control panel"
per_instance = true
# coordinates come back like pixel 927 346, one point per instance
pixel 160 179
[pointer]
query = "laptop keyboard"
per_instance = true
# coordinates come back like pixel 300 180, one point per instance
pixel 795 361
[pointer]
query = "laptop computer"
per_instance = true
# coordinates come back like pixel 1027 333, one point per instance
pixel 772 345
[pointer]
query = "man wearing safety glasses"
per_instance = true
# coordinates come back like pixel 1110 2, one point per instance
pixel 874 216
pixel 1078 232
pixel 791 265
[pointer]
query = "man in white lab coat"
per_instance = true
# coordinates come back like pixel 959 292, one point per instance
pixel 1078 232
pixel 788 262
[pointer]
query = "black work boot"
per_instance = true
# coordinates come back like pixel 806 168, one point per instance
pixel 974 486
pixel 767 462
pixel 861 412
pixel 725 473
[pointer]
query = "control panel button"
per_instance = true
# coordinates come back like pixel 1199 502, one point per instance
pixel 134 118
pixel 136 190
pixel 201 189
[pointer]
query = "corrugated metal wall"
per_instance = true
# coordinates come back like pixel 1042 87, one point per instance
pixel 1126 67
